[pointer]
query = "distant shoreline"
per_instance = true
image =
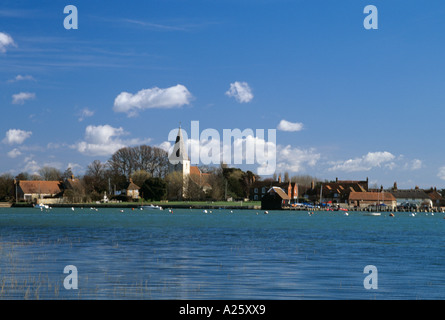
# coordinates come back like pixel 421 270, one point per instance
pixel 138 205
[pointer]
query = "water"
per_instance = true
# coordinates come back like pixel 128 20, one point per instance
pixel 220 255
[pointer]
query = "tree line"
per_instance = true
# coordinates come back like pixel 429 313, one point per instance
pixel 148 168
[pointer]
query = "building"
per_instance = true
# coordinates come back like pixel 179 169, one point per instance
pixel 437 200
pixel 40 191
pixel 200 179
pixel 132 190
pixel 335 192
pixel 362 200
pixel 179 162
pixel 259 189
pixel 275 199
pixel 412 197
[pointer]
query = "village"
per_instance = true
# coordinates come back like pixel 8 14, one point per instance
pixel 172 179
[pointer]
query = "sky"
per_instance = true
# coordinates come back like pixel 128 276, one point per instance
pixel 345 101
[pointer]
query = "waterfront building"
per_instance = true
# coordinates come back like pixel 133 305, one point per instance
pixel 363 200
pixel 36 191
pixel 132 190
pixel 411 197
pixel 275 199
pixel 335 192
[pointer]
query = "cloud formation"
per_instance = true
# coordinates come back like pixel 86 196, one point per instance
pixel 294 159
pixel 22 78
pixel 173 97
pixel 85 113
pixel 14 153
pixel 104 140
pixel 240 91
pixel 285 125
pixel 441 173
pixel 21 97
pixel 365 163
pixel 5 41
pixel 16 136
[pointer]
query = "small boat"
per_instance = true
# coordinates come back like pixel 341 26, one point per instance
pixel 151 207
pixel 41 206
pixel 373 214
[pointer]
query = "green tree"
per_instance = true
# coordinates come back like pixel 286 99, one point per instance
pixel 154 189
pixel 6 187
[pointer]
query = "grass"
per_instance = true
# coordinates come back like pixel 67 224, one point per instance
pixel 210 203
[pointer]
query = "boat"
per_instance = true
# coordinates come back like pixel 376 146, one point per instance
pixel 373 214
pixel 41 206
pixel 151 207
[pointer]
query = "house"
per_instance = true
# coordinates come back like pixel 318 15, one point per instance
pixel 275 199
pixel 412 197
pixel 436 198
pixel 74 190
pixel 365 199
pixel 201 179
pixel 258 189
pixel 132 190
pixel 335 192
pixel 36 191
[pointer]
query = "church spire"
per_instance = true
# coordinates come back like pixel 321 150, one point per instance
pixel 179 154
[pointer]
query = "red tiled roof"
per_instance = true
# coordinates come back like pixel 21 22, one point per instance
pixel 371 196
pixel 42 187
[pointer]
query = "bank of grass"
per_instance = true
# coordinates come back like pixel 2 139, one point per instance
pixel 164 204
pixel 208 203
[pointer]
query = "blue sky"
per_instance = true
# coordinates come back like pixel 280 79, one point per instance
pixel 363 103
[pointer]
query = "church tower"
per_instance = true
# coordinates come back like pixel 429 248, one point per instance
pixel 179 160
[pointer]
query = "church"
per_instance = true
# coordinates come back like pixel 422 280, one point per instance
pixel 180 162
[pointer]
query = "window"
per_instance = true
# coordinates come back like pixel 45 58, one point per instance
pixel 263 190
pixel 256 190
pixel 255 197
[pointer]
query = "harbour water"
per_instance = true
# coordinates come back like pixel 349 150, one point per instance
pixel 223 254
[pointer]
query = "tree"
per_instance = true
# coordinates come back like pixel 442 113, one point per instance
pixel 68 174
pixel 6 187
pixel 139 177
pixel 95 177
pixel 154 189
pixel 175 185
pixel 128 160
pixel 50 174
pixel 193 191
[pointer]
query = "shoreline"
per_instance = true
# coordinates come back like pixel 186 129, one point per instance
pixel 206 206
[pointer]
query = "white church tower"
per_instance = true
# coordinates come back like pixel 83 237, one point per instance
pixel 179 160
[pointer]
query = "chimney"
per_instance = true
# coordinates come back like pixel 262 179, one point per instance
pixel 279 178
pixel 313 185
pixel 336 180
pixel 395 186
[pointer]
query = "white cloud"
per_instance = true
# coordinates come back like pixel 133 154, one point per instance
pixel 104 141
pixel 173 97
pixel 21 97
pixel 240 91
pixel 22 78
pixel 366 162
pixel 31 166
pixel 14 153
pixel 285 125
pixel 416 164
pixel 5 41
pixel 441 173
pixel 85 113
pixel 294 159
pixel 16 136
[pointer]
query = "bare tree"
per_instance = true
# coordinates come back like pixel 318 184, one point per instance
pixel 50 174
